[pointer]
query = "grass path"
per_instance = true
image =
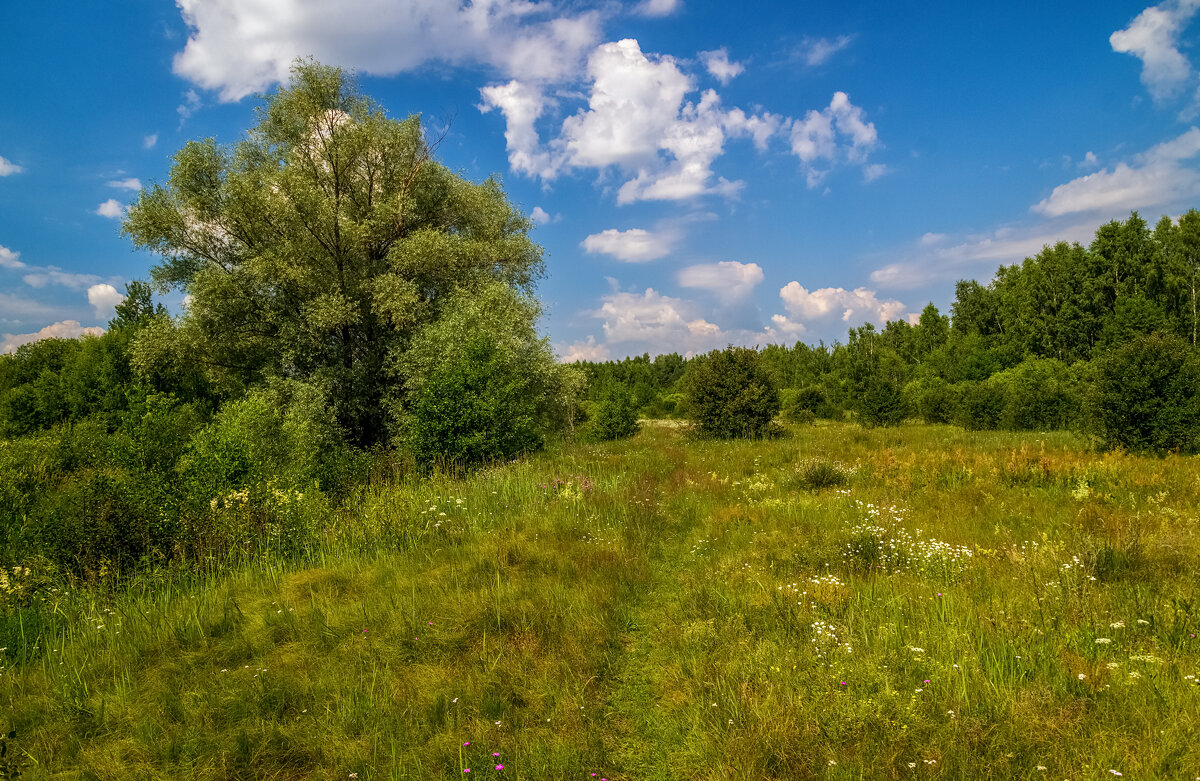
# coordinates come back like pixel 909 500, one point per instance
pixel 914 603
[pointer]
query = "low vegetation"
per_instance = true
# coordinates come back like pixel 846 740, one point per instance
pixel 914 602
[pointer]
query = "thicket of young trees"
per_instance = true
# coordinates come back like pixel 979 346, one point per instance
pixel 349 299
pixel 1100 338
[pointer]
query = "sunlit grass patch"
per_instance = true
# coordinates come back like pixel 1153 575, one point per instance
pixel 663 608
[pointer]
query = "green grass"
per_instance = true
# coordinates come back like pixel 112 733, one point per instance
pixel 919 602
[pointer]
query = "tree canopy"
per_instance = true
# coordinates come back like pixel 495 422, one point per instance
pixel 319 246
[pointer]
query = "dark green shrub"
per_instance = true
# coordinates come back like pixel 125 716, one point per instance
pixel 729 394
pixel 802 405
pixel 803 417
pixel 1039 395
pixel 96 524
pixel 663 406
pixel 1146 395
pixel 615 417
pixel 474 410
pixel 934 399
pixel 480 384
pixel 258 474
pixel 882 403
pixel 981 407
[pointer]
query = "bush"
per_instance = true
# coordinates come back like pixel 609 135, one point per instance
pixel 664 406
pixel 256 476
pixel 481 384
pixel 803 405
pixel 882 403
pixel 615 417
pixel 473 410
pixel 935 400
pixel 804 417
pixel 729 394
pixel 981 407
pixel 1146 395
pixel 1039 395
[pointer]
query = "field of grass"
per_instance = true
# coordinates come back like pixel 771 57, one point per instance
pixel 920 602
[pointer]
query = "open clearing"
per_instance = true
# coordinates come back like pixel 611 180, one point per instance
pixel 920 602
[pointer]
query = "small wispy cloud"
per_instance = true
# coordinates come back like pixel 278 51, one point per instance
pixel 8 168
pixel 654 8
pixel 112 209
pixel 718 64
pixel 818 51
pixel 126 184
pixel 191 102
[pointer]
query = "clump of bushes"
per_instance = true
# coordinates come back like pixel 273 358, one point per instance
pixel 804 405
pixel 493 395
pixel 882 403
pixel 730 394
pixel 933 399
pixel 981 406
pixel 1146 395
pixel 615 417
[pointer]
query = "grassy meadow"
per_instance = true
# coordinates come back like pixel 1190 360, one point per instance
pixel 840 603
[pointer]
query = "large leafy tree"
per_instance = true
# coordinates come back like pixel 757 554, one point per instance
pixel 319 246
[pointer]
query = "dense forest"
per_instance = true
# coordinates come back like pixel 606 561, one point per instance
pixel 354 308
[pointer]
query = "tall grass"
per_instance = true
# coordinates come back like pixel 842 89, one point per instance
pixel 839 603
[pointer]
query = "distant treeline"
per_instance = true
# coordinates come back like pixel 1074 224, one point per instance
pixel 1037 348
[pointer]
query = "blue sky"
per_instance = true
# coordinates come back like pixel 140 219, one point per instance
pixel 701 173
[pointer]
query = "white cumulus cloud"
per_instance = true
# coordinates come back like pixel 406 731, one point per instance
pixel 650 317
pixel 588 350
pixel 104 299
pixel 655 8
pixel 839 133
pixel 112 209
pixel 718 64
pixel 239 48
pixel 656 323
pixel 852 306
pixel 522 105
pixel 638 120
pixel 1161 175
pixel 636 245
pixel 63 329
pixel 540 216
pixel 729 280
pixel 10 259
pixel 787 326
pixel 7 167
pixel 633 105
pixel 1153 37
